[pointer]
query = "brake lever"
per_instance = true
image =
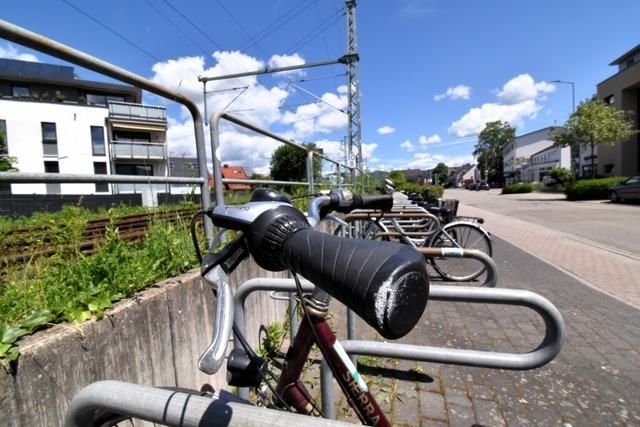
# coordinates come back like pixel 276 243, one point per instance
pixel 213 357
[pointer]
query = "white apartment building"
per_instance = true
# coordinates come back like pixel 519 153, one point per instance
pixel 540 164
pixel 54 122
pixel 516 153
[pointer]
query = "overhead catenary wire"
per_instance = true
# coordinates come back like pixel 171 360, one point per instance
pixel 233 18
pixel 267 31
pixel 112 31
pixel 311 35
pixel 177 27
pixel 324 38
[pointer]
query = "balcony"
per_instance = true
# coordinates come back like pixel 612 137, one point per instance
pixel 137 112
pixel 147 151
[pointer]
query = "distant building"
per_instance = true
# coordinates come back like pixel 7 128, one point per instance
pixel 539 165
pixel 54 122
pixel 184 167
pixel 516 155
pixel 414 175
pixel 622 91
pixel 458 174
pixel 232 172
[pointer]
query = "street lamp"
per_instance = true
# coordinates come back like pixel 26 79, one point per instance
pixel 573 92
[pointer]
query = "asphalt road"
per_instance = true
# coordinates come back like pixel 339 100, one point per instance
pixel 613 225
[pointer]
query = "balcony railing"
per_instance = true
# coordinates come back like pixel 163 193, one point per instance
pixel 127 110
pixel 125 150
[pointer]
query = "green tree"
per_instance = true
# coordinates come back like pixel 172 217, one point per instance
pixel 562 176
pixel 289 163
pixel 397 177
pixel 488 149
pixel 595 122
pixel 6 161
pixel 440 173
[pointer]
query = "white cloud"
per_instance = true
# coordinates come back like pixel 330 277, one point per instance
pixel 278 61
pixel 433 139
pixel 9 51
pixel 519 99
pixel 385 130
pixel 318 117
pixel 428 161
pixel 455 92
pixel 407 145
pixel 523 88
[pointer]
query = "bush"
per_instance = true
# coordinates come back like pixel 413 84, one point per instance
pixel 522 187
pixel 435 192
pixel 592 189
pixel 562 176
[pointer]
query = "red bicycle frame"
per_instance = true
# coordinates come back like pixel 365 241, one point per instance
pixel 294 392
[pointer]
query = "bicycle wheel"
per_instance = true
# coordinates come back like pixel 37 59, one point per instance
pixel 460 235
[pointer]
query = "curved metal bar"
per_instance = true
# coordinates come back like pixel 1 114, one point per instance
pixel 492 270
pixel 177 408
pixel 545 352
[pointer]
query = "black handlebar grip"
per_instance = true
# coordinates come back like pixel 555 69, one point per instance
pixel 381 202
pixel 384 283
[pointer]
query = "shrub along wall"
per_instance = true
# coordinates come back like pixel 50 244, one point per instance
pixel 592 189
pixel 523 187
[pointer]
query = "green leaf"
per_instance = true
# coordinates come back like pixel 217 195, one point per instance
pixel 11 333
pixel 37 318
pixel 4 348
pixel 82 315
pixel 93 305
pixel 12 353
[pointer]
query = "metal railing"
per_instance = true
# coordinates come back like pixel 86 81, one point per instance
pixel 138 150
pixel 45 45
pixel 130 110
pixel 214 127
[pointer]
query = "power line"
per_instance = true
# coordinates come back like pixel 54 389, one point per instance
pixel 255 43
pixel 112 31
pixel 166 18
pixel 267 31
pixel 324 38
pixel 200 30
pixel 311 35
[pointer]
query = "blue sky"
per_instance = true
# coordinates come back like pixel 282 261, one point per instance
pixel 432 72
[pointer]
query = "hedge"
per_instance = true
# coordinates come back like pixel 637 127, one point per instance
pixel 522 187
pixel 592 189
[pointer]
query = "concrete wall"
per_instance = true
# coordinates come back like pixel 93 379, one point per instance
pixel 154 338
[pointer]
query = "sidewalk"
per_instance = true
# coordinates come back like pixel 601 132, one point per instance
pixel 610 270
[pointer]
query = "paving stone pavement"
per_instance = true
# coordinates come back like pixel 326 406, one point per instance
pixel 593 382
pixel 612 271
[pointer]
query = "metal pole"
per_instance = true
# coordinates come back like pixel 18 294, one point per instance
pixel 310 170
pixel 204 101
pixel 326 391
pixel 35 41
pixel 342 60
pixel 353 86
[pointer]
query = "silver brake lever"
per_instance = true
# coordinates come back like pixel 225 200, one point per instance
pixel 213 357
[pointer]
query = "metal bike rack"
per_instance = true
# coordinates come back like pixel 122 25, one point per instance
pixel 549 347
pixel 177 408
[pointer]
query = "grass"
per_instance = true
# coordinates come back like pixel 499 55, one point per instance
pixel 522 187
pixel 73 287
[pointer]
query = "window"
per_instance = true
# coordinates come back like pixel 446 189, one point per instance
pixel 100 168
pixel 145 170
pixel 51 167
pixel 608 168
pixel 96 99
pixel 4 145
pixel 20 91
pixel 49 139
pixel 610 100
pixel 129 136
pixel 97 141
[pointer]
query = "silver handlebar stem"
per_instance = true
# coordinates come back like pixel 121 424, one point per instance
pixel 213 357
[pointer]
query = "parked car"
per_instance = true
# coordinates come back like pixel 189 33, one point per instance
pixel 626 190
pixel 482 186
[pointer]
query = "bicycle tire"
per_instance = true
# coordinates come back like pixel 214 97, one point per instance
pixel 463 235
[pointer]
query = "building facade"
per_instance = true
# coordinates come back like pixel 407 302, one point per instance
pixel 538 167
pixel 517 153
pixel 56 123
pixel 622 91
